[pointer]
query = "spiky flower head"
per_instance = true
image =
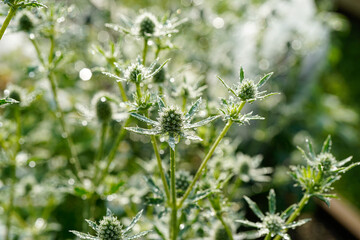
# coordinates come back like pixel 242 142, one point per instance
pixel 109 228
pixel 103 106
pixel 147 24
pixel 25 23
pixel 321 172
pixel 247 90
pixel 182 182
pixel 135 72
pixel 271 222
pixel 171 120
pixel 172 123
pixel 15 94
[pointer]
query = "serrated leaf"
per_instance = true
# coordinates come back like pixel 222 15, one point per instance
pixel 158 69
pixel 92 224
pixel 264 79
pixel 327 145
pixel 272 201
pixel 84 235
pixel 143 130
pixel 108 212
pixel 254 207
pixel 298 223
pixel 202 122
pixel 144 119
pixel 310 148
pixel 191 136
pixel 139 235
pixel 118 79
pixel 285 214
pixel 7 101
pixel 133 222
pixel 154 201
pixel 247 223
pixel 154 188
pixel 241 75
pixel 228 88
pixel 117 28
pixel 193 110
pixel 322 198
pixel 161 104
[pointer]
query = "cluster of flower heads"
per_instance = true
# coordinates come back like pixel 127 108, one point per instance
pixel 271 222
pixel 321 172
pixel 148 26
pixel 172 123
pixel 110 228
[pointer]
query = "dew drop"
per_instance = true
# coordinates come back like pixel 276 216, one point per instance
pixel 84 123
pixel 40 223
pixel 71 181
pixel 32 164
pixel 64 135
pixel 85 74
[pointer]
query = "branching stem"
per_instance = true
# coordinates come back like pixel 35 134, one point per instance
pixel 11 14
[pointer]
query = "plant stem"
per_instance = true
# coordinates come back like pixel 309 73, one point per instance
pixel 221 219
pixel 173 225
pixel 138 90
pixel 11 14
pixel 204 162
pixel 159 162
pixel 268 236
pixel 304 200
pixel 121 87
pixel 104 127
pixel 183 108
pixel 145 51
pixel 113 151
pixel 13 171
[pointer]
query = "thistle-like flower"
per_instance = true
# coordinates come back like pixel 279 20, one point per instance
pixel 110 228
pixel 249 169
pixel 321 172
pixel 147 26
pixel 247 90
pixel 103 107
pixel 271 222
pixel 189 89
pixel 22 96
pixel 136 72
pixel 172 123
pixel 26 23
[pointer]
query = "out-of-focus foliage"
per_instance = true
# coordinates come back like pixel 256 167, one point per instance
pixel 311 50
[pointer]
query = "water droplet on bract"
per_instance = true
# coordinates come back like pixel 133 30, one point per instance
pixel 32 36
pixel 162 139
pixel 21 141
pixel 31 74
pixel 64 135
pixel 172 80
pixel 71 181
pixel 60 20
pixel 161 152
pixel 150 43
pixel 32 164
pixel 187 142
pixel 103 99
pixel 40 223
pixel 218 22
pixel 84 123
pixel 6 92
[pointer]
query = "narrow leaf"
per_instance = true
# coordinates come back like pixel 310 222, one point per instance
pixel 7 101
pixel 143 130
pixel 327 145
pixel 84 235
pixel 202 122
pixel 92 224
pixel 241 75
pixel 254 207
pixel 133 222
pixel 108 212
pixel 144 119
pixel 161 103
pixel 272 201
pixel 247 223
pixel 264 80
pixel 298 223
pixel 310 148
pixel 194 108
pixel 139 235
pixel 285 214
pixel 172 141
pixel 228 88
pixel 158 69
pixel 118 79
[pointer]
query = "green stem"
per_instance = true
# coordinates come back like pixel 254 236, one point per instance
pixel 138 90
pixel 13 172
pixel 37 49
pixel 11 14
pixel 204 162
pixel 120 85
pixel 304 200
pixel 173 225
pixel 145 51
pixel 104 127
pixel 159 162
pixel 158 49
pixel 113 151
pixel 268 236
pixel 184 103
pixel 221 219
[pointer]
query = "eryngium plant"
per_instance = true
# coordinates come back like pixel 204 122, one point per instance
pixel 110 228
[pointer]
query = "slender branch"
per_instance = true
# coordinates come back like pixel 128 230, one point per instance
pixel 11 14
pixel 159 162
pixel 173 225
pixel 204 162
pixel 304 200
pixel 104 127
pixel 120 85
pixel 145 50
pixel 221 219
pixel 113 151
